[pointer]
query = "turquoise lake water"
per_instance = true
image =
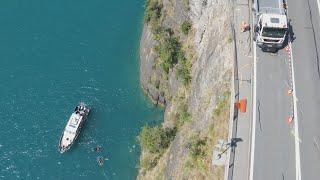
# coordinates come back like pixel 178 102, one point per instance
pixel 54 54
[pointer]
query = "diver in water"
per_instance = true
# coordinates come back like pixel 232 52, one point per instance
pixel 97 149
pixel 100 160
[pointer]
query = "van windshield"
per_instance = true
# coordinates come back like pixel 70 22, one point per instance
pixel 273 32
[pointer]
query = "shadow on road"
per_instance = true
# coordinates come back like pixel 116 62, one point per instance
pixel 234 141
pixel 291 36
pixel 233 146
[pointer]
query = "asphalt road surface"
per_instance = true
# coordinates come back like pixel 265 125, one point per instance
pixel 306 48
pixel 274 156
pixel 275 149
pixel 273 146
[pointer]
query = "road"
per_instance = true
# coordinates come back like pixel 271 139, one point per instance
pixel 274 153
pixel 285 150
pixel 278 149
pixel 305 16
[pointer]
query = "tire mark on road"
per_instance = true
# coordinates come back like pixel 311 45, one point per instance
pixel 259 116
pixel 316 143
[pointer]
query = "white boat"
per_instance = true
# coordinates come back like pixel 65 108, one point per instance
pixel 73 127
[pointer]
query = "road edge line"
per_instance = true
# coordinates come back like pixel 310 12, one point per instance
pixel 296 123
pixel 254 105
pixel 318 2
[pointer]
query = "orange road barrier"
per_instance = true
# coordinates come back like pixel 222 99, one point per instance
pixel 241 105
pixel 289 120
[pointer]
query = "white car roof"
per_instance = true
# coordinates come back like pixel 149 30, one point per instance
pixel 274 20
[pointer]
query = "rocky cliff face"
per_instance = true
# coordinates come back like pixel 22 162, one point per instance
pixel 149 75
pixel 209 49
pixel 212 70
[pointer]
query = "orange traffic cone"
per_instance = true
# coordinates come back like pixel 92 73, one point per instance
pixel 289 120
pixel 241 105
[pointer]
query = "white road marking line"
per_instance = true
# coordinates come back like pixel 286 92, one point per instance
pixel 318 1
pixel 296 122
pixel 295 136
pixel 316 143
pixel 253 133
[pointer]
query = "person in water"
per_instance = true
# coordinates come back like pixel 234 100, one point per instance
pixel 97 149
pixel 100 160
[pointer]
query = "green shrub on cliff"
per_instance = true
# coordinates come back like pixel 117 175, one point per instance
pixel 183 114
pixel 152 16
pixel 168 51
pixel 198 150
pixel 153 9
pixel 169 48
pixel 183 72
pixel 186 27
pixel 196 146
pixel 155 139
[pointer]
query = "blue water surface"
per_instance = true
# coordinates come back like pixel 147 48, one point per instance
pixel 54 54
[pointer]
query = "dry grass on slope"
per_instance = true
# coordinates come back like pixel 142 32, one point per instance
pixel 198 165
